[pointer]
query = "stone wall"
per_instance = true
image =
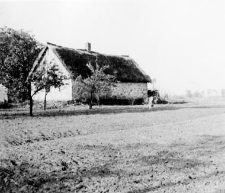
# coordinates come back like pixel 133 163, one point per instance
pixel 126 91
pixel 129 90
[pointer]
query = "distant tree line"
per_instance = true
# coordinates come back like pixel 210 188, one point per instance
pixel 209 92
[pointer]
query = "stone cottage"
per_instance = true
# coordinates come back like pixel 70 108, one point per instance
pixel 131 79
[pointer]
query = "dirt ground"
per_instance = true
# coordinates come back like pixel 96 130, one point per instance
pixel 171 148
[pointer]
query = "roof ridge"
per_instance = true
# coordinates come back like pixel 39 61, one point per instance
pixel 91 52
pixel 72 49
pixel 74 60
pixel 142 71
pixel 37 60
pixel 51 44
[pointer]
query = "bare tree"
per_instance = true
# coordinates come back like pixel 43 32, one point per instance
pixel 95 85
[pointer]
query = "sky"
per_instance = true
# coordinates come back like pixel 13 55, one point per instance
pixel 180 44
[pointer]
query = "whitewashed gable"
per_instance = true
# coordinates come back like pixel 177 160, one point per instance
pixel 65 92
pixel 3 94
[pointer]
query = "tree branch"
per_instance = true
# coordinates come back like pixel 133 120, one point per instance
pixel 38 89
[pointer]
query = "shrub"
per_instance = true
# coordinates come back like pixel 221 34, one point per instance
pixel 5 105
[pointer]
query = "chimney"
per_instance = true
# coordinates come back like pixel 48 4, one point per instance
pixel 88 46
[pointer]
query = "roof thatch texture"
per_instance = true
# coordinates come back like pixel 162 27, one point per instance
pixel 122 67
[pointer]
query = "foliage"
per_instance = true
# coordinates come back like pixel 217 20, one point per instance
pixel 196 93
pixel 153 93
pixel 96 85
pixel 18 51
pixel 47 76
pixel 5 105
pixel 189 93
pixel 119 101
pixel 223 92
pixel 212 92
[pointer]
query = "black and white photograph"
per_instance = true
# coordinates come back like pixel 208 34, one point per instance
pixel 112 96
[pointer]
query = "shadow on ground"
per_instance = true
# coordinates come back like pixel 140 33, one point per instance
pixel 101 110
pixel 25 177
pixel 76 111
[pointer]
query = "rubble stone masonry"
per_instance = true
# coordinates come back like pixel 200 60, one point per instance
pixel 129 90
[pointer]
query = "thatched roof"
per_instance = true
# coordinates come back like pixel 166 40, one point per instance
pixel 123 68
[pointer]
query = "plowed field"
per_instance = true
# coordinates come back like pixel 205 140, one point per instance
pixel 172 148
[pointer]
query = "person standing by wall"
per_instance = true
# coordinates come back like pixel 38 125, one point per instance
pixel 153 96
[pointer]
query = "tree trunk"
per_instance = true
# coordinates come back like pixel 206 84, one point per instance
pixel 98 99
pixel 99 102
pixel 31 101
pixel 90 104
pixel 45 103
pixel 31 106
